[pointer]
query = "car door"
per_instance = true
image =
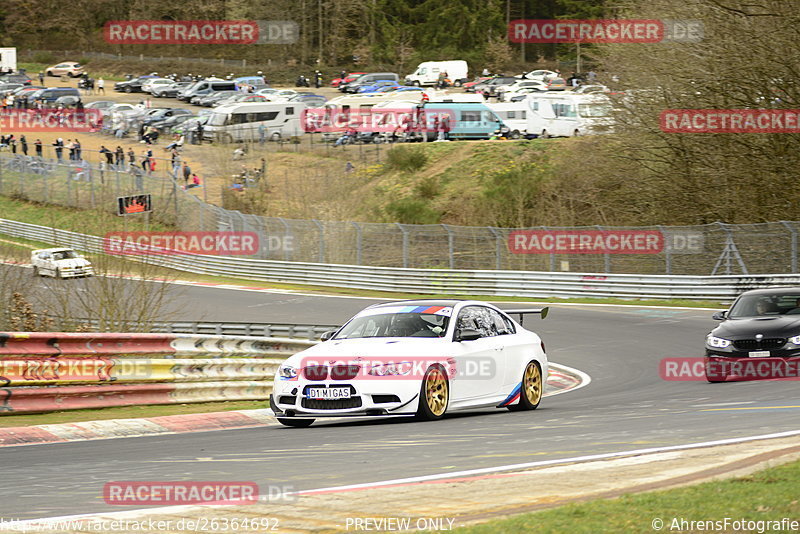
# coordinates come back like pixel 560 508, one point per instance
pixel 479 362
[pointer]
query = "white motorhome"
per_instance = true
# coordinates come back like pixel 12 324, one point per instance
pixel 514 115
pixel 8 59
pixel 567 115
pixel 427 73
pixel 241 121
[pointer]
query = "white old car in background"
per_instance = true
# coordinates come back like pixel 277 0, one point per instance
pixel 60 263
pixel 414 358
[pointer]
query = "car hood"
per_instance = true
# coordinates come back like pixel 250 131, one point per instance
pixel 375 348
pixel 747 328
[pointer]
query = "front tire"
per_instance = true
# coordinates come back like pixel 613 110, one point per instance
pixel 530 394
pixel 545 135
pixel 295 423
pixel 434 395
pixel 36 272
pixel 59 274
pixel 128 90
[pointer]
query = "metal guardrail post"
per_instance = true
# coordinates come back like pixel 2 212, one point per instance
pixel 793 251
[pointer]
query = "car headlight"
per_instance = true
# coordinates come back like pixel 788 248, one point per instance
pixel 794 340
pixel 391 369
pixel 287 372
pixel 718 342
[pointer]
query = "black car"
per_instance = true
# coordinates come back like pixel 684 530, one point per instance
pixel 759 336
pixel 163 114
pixel 24 79
pixel 134 85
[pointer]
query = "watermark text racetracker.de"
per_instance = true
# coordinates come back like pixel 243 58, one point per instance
pixel 605 31
pixel 201 32
pixel 753 368
pixel 205 523
pixel 730 121
pixel 586 242
pixel 726 524
pixel 206 243
pixel 50 120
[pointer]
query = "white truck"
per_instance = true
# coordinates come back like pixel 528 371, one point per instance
pixel 427 73
pixel 8 59
pixel 568 115
pixel 61 262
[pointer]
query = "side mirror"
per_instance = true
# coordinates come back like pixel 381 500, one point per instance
pixel 720 315
pixel 327 335
pixel 467 334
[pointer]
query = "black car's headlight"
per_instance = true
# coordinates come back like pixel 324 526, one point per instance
pixel 794 340
pixel 718 342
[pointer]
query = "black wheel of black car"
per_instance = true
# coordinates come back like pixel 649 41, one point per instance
pixel 295 423
pixel 714 376
pixel 129 89
pixel 530 393
pixel 434 394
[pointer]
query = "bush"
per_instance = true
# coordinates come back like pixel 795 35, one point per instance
pixel 43 57
pixel 412 211
pixel 406 159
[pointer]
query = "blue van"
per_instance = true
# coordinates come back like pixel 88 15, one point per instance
pixel 468 120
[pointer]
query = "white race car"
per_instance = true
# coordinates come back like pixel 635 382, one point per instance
pixel 414 358
pixel 60 263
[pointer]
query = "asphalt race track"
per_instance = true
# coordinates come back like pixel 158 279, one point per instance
pixel 627 406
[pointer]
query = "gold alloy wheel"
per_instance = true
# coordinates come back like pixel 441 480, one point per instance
pixel 436 391
pixel 532 383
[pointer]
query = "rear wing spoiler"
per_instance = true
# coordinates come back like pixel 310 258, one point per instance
pixel 540 311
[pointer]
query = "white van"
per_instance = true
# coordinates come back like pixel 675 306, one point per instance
pixel 514 115
pixel 241 121
pixel 427 73
pixel 567 115
pixel 206 87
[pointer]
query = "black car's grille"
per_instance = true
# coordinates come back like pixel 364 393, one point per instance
pixel 764 344
pixel 340 404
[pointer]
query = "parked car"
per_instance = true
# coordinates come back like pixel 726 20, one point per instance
pixel 336 82
pixel 210 100
pixel 489 87
pixel 377 85
pixel 414 358
pixel 468 86
pixel 23 79
pixel 513 87
pixel 134 85
pixel 556 84
pixel 162 114
pixel 368 79
pixel 60 263
pixel 523 94
pixel 102 105
pixel 49 95
pixel 169 91
pixel 594 88
pixel 166 125
pixel 70 68
pixel 150 84
pixel 7 88
pixel 542 75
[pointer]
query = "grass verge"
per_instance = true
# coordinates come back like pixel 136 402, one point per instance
pixel 763 498
pixel 126 412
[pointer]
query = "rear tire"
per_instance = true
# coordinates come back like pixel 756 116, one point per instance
pixel 576 133
pixel 50 73
pixel 295 423
pixel 434 394
pixel 515 134
pixel 128 90
pixel 530 394
pixel 545 135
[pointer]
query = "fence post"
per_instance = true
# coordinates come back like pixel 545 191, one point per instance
pixel 321 240
pixel 498 247
pixel 667 253
pixel 606 256
pixel 793 258
pixel 405 244
pixel 450 246
pixel 359 238
pixel 552 254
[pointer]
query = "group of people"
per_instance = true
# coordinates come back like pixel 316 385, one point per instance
pixel 11 142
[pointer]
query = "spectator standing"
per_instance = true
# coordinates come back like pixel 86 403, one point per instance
pixel 101 86
pixel 187 172
pixel 41 78
pixel 131 158
pixel 38 146
pixel 78 156
pixel 12 142
pixel 23 143
pixel 120 157
pixel 71 147
pixel 108 154
pixel 59 147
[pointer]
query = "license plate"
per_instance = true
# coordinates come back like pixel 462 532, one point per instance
pixel 759 354
pixel 328 393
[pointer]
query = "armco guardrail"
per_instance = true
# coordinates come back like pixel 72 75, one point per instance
pixel 42 372
pixel 533 284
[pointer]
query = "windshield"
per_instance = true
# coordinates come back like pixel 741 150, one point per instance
pixel 761 305
pixel 393 322
pixel 217 119
pixel 594 110
pixel 65 255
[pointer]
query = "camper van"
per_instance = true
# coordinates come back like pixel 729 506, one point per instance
pixel 205 88
pixel 514 115
pixel 468 120
pixel 567 115
pixel 427 73
pixel 241 121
